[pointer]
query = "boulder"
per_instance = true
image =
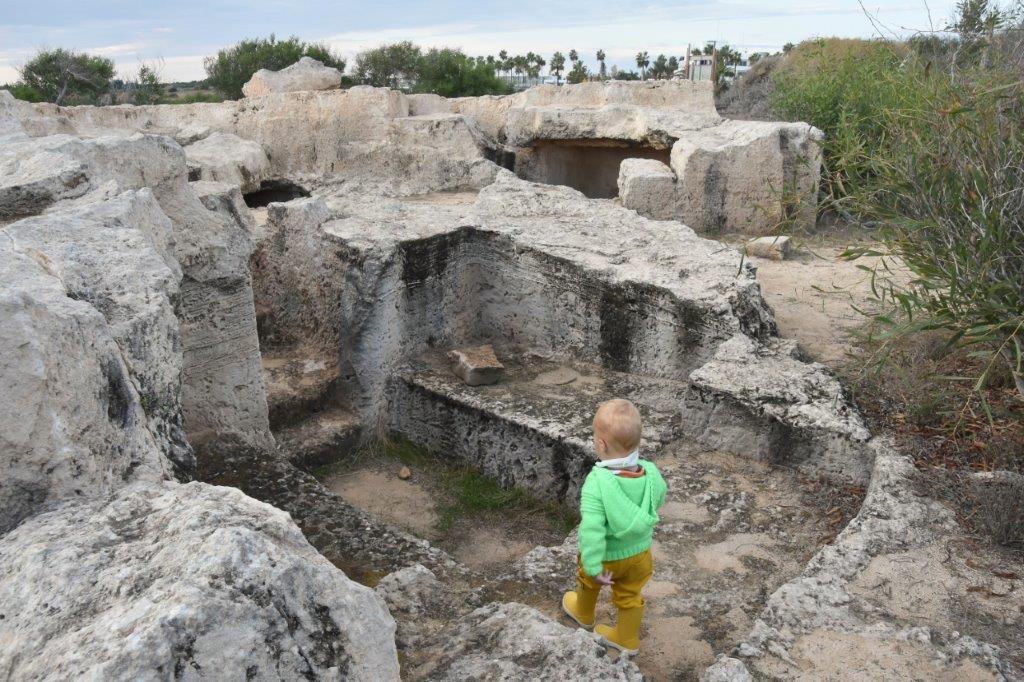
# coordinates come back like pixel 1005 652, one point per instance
pixel 223 157
pixel 748 177
pixel 32 178
pixel 182 581
pixel 521 643
pixel 305 74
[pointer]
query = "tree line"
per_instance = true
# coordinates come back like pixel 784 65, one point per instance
pixel 67 77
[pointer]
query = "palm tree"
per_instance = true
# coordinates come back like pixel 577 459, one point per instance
pixel 642 62
pixel 574 56
pixel 601 69
pixel 660 67
pixel 557 66
pixel 503 64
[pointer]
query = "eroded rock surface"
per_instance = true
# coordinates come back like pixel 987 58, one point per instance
pixel 223 157
pixel 305 74
pixel 182 581
pixel 521 643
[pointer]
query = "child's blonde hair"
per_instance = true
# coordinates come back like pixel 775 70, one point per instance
pixel 618 423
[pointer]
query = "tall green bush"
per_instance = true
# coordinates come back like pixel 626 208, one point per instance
pixel 946 184
pixel 233 66
pixel 450 73
pixel 65 77
pixel 840 86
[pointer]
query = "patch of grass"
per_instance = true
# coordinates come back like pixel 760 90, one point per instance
pixel 469 493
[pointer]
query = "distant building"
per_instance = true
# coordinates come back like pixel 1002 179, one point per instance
pixel 701 68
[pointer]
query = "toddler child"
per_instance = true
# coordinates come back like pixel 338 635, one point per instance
pixel 618 512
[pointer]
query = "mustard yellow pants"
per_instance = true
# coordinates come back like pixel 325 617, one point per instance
pixel 629 576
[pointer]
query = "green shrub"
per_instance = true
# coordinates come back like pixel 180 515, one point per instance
pixel 65 77
pixel 232 67
pixel 193 98
pixel 450 73
pixel 840 86
pixel 24 92
pixel 389 66
pixel 945 181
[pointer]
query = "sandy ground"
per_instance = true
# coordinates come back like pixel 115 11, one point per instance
pixel 811 294
pixel 484 543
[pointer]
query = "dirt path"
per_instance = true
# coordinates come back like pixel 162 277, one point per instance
pixel 812 294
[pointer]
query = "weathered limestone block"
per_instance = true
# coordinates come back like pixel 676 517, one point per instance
pixel 184 581
pixel 748 176
pixel 305 74
pixel 522 643
pixel 774 247
pixel 760 400
pixel 223 157
pixel 222 385
pixel 422 104
pixel 113 254
pixel 648 186
pixel 654 113
pixel 10 125
pixel 32 178
pixel 476 366
pixel 71 422
pixel 417 600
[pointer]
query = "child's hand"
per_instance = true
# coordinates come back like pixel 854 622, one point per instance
pixel 605 578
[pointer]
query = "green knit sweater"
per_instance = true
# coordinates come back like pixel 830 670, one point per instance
pixel 618 515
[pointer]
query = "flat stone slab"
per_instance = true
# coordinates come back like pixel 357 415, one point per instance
pixel 477 365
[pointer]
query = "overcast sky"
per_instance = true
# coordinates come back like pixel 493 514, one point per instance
pixel 183 32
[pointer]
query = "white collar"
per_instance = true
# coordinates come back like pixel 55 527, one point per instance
pixel 627 462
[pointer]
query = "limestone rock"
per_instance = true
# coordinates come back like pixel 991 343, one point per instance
pixel 726 669
pixel 182 581
pixel 71 421
pixel 760 400
pixel 305 74
pixel 477 365
pixel 32 178
pixel 417 600
pixel 654 113
pixel 223 157
pixel 411 589
pixel 522 643
pixel 648 187
pixel 773 247
pixel 113 253
pixel 748 176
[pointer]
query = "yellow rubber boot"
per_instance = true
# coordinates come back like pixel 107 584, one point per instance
pixel 625 636
pixel 579 605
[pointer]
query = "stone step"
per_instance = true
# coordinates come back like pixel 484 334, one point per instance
pixel 299 382
pixel 533 429
pixel 323 438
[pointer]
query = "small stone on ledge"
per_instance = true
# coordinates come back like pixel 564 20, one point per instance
pixel 476 366
pixel 773 247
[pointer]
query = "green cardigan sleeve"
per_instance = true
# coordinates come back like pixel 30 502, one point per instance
pixel 593 527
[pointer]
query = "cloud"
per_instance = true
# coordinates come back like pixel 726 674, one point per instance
pixel 114 50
